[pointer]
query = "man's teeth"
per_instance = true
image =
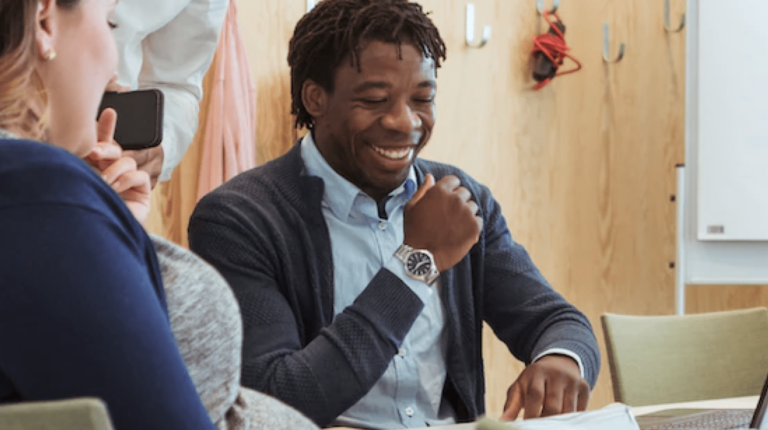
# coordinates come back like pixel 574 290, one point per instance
pixel 393 154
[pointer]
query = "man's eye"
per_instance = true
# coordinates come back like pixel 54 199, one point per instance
pixel 429 100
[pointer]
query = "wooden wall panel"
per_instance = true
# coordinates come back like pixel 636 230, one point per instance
pixel 584 169
pixel 267 26
pixel 173 201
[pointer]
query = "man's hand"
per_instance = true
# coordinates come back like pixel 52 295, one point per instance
pixel 149 160
pixel 118 170
pixel 552 385
pixel 442 218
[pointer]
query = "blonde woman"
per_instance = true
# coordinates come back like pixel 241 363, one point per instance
pixel 82 302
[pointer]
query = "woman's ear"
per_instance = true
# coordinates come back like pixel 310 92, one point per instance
pixel 314 97
pixel 45 28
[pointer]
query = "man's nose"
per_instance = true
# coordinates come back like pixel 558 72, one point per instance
pixel 402 118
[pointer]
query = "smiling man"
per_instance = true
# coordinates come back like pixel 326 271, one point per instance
pixel 363 272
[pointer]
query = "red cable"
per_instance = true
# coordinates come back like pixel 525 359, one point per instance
pixel 555 48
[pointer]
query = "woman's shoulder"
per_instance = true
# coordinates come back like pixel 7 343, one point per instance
pixel 18 155
pixel 34 173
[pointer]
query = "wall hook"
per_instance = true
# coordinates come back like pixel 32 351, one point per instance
pixel 540 6
pixel 668 19
pixel 607 46
pixel 470 27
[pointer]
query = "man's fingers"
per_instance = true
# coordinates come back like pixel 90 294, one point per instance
pixel 570 397
pixel 584 394
pixel 472 207
pixel 534 398
pixel 553 397
pixel 479 222
pixel 449 183
pixel 429 182
pixel 105 129
pixel 513 405
pixel 463 194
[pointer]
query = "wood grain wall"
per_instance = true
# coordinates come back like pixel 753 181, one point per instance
pixel 584 168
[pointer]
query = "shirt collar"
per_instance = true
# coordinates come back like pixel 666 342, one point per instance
pixel 340 194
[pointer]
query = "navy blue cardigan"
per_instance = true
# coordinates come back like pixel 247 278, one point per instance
pixel 82 307
pixel 265 232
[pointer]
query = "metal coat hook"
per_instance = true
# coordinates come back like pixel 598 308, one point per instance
pixel 540 6
pixel 607 46
pixel 668 19
pixel 470 27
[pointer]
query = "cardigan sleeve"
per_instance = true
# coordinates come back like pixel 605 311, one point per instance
pixel 524 311
pixel 81 316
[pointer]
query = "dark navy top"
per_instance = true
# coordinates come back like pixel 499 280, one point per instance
pixel 82 308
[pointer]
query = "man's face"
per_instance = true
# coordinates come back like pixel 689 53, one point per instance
pixel 379 118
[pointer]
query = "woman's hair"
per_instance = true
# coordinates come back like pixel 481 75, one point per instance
pixel 338 28
pixel 22 95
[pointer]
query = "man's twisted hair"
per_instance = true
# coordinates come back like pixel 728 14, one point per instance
pixel 335 29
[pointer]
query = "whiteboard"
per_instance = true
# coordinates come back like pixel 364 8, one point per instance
pixel 733 120
pixel 726 160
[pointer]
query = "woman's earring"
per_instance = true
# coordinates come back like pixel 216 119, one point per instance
pixel 49 55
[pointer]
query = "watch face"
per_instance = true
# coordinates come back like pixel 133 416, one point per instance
pixel 419 263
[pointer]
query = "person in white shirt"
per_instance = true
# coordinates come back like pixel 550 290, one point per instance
pixel 168 45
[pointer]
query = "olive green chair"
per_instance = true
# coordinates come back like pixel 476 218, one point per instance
pixel 71 414
pixel 672 359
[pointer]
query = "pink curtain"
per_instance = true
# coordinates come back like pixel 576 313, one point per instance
pixel 229 144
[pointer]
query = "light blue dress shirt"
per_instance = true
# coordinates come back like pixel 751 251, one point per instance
pixel 409 394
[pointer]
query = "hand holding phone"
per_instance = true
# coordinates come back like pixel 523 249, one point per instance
pixel 118 169
pixel 139 117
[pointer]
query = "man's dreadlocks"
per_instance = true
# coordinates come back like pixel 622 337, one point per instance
pixel 335 29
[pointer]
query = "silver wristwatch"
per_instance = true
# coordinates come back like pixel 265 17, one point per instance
pixel 419 263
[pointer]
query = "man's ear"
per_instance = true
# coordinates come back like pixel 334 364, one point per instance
pixel 315 98
pixel 45 27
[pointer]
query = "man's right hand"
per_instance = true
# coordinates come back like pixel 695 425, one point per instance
pixel 442 218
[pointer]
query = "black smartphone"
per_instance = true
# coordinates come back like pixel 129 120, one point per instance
pixel 139 117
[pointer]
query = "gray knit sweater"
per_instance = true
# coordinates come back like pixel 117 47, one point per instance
pixel 206 323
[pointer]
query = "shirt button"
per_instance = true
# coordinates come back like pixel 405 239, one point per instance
pixel 401 352
pixel 409 411
pixel 382 225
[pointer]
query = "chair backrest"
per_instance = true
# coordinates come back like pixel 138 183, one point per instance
pixel 671 359
pixel 71 414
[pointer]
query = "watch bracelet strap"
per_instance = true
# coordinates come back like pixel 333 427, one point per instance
pixel 402 253
pixel 433 275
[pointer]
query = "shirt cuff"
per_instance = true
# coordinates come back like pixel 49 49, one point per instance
pixel 561 351
pixel 419 288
